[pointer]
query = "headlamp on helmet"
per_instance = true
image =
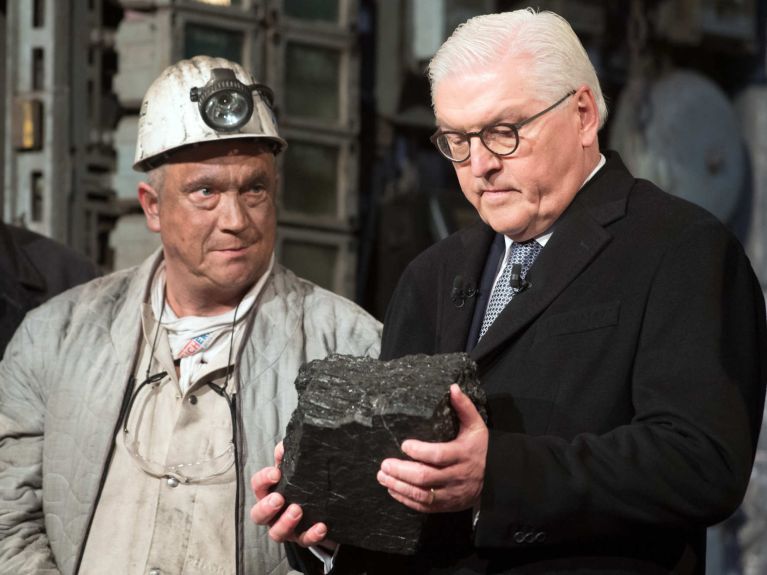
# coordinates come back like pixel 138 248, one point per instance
pixel 203 99
pixel 225 103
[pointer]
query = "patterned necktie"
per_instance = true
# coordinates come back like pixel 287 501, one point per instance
pixel 522 254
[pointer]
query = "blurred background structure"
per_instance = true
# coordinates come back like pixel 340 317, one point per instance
pixel 362 189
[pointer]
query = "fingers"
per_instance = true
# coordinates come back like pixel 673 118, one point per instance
pixel 267 509
pixel 402 488
pixel 263 481
pixel 283 526
pixel 279 451
pixel 435 454
pixel 452 489
pixel 314 536
pixel 429 507
pixel 286 528
pixel 421 498
pixel 409 472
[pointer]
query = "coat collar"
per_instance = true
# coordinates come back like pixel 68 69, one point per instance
pixel 275 315
pixel 276 318
pixel 125 330
pixel 580 236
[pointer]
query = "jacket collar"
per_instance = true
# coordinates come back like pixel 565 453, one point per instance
pixel 275 316
pixel 275 320
pixel 125 330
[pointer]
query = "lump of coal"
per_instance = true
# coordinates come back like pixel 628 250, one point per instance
pixel 352 414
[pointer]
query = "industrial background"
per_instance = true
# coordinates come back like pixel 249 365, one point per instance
pixel 362 189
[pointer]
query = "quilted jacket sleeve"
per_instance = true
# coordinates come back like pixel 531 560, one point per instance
pixel 24 547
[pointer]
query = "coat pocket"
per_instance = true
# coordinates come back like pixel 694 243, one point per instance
pixel 581 320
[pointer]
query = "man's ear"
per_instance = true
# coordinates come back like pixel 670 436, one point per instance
pixel 150 203
pixel 589 116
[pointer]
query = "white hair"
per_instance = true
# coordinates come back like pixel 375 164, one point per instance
pixel 559 61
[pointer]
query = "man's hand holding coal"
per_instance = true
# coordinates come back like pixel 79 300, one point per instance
pixel 270 509
pixel 443 476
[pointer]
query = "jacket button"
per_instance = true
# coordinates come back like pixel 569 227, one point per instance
pixel 519 537
pixel 172 482
pixel 540 537
pixel 154 571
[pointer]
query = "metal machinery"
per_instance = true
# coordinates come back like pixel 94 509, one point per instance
pixel 681 132
pixel 674 125
pixel 58 117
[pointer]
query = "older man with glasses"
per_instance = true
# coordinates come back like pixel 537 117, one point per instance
pixel 619 334
pixel 133 410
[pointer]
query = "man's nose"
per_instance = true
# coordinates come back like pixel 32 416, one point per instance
pixel 232 213
pixel 483 161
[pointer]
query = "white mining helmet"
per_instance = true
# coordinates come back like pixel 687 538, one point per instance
pixel 201 100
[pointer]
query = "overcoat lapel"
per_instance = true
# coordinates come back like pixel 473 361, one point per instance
pixel 570 250
pixel 468 263
pixel 580 235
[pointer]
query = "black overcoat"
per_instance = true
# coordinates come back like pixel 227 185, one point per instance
pixel 34 268
pixel 625 386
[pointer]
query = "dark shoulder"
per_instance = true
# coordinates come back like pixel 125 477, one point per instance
pixel 60 265
pixel 663 213
pixel 615 197
pixel 447 248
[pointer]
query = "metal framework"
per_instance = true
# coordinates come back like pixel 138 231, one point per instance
pixel 58 152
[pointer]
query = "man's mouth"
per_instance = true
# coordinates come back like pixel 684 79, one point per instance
pixel 232 249
pixel 495 191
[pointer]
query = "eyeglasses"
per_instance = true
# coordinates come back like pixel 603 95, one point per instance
pixel 501 139
pixel 182 472
pixel 188 472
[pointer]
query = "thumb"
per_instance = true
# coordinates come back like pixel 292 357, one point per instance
pixel 464 408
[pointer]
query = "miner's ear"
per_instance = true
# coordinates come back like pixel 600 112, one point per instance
pixel 149 199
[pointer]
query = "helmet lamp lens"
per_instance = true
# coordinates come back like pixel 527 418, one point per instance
pixel 227 110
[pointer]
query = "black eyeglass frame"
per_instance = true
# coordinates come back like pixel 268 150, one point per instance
pixel 515 127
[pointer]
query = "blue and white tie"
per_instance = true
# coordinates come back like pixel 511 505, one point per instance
pixel 523 254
